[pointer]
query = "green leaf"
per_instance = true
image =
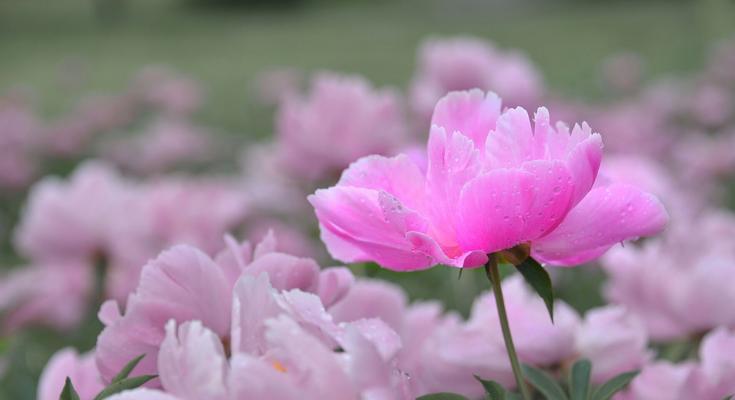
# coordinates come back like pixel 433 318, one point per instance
pixel 539 279
pixel 493 389
pixel 609 388
pixel 442 396
pixel 544 383
pixel 579 379
pixel 68 392
pixel 125 384
pixel 125 371
pixel 728 397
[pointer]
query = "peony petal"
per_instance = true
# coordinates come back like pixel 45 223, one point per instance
pixel 472 113
pixel 192 363
pixel 398 175
pixel 368 221
pixel 286 271
pixel 607 215
pixel 491 210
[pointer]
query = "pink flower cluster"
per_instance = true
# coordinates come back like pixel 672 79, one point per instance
pixel 100 219
pixel 257 323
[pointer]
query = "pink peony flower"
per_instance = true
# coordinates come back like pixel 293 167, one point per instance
pixel 697 268
pixel 164 144
pixel 183 284
pixel 614 340
pixel 464 63
pixel 79 368
pixel 342 119
pixel 493 182
pixel 53 294
pixel 660 380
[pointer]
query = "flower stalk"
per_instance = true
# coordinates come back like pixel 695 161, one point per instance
pixel 493 275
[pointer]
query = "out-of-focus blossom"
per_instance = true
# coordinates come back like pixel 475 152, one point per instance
pixel 702 159
pixel 452 351
pixel 19 136
pixel 291 240
pixel 275 85
pixel 492 182
pixel 99 216
pixel 715 376
pixel 72 219
pixel 168 91
pixel 55 295
pixel 711 105
pixel 80 369
pixel 696 269
pixel 165 143
pixel 538 340
pixel 613 340
pixel 341 119
pixel 72 134
pixel 659 380
pixel 711 378
pixel 623 72
pixel 463 63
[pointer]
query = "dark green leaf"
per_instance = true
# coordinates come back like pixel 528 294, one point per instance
pixel 579 380
pixel 125 384
pixel 609 388
pixel 539 279
pixel 442 396
pixel 544 383
pixel 493 389
pixel 125 371
pixel 513 396
pixel 728 397
pixel 68 392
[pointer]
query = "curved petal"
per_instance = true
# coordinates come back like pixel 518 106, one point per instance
pixel 254 301
pixel 185 284
pixel 182 284
pixel 472 113
pixel 453 161
pixel 607 215
pixel 286 271
pixel 584 161
pixel 398 175
pixel 491 210
pixel 371 221
pixel 192 363
pixel 334 284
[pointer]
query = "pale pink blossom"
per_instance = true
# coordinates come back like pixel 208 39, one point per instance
pixel 163 145
pixel 623 72
pixel 463 63
pixel 54 294
pixel 696 268
pixel 19 141
pixel 493 182
pixel 184 284
pixel 168 91
pixel 659 380
pixel 341 119
pixel 80 369
pixel 614 340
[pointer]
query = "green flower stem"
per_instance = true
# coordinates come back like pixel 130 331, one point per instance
pixel 493 274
